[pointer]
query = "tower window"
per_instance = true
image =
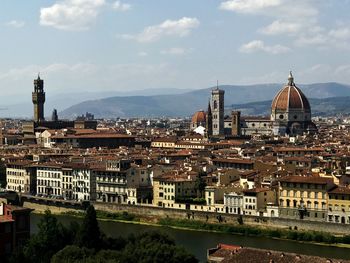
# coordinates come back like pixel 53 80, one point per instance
pixel 281 116
pixel 215 104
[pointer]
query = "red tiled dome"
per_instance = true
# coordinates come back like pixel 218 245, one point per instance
pixel 290 97
pixel 199 117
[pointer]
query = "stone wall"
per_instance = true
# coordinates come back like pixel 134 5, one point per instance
pixel 158 212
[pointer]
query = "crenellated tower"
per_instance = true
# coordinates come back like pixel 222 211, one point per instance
pixel 38 98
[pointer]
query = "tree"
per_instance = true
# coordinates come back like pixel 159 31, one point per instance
pixel 2 175
pixel 72 254
pixel 200 185
pixel 49 239
pixel 89 233
pixel 155 247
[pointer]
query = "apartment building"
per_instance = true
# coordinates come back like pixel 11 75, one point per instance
pixel 21 177
pixel 49 179
pixel 84 182
pixel 339 205
pixel 304 197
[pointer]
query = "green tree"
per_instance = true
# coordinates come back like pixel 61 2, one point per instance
pixel 200 185
pixel 49 239
pixel 154 247
pixel 2 175
pixel 89 233
pixel 72 254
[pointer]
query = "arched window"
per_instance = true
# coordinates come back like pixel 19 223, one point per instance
pixel 215 104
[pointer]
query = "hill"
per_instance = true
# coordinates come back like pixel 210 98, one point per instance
pixel 185 104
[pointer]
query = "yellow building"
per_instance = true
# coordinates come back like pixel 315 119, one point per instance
pixel 21 177
pixel 339 205
pixel 170 191
pixel 164 142
pixel 304 197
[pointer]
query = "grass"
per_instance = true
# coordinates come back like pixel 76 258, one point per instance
pixel 306 236
pixel 123 216
pixel 241 229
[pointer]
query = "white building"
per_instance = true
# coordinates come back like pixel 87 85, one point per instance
pixel 84 183
pixel 49 179
pixel 233 203
pixel 67 183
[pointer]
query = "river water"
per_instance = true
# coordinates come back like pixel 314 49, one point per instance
pixel 198 242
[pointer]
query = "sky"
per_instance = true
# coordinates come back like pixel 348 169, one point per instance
pixel 109 45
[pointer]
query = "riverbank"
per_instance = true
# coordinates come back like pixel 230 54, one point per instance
pixel 198 241
pixel 312 237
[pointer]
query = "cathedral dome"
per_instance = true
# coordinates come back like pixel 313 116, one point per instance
pixel 290 97
pixel 199 117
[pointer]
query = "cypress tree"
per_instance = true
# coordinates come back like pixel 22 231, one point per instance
pixel 89 235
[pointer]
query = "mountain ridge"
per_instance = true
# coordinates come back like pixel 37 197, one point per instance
pixel 185 104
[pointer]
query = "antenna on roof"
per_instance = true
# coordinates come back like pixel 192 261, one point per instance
pixel 217 84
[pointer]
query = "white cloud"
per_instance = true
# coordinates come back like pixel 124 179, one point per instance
pixel 279 27
pixel 179 28
pixel 334 38
pixel 142 54
pixel 258 45
pixel 119 6
pixel 16 23
pixel 71 14
pixel 326 73
pixel 174 51
pixel 308 40
pixel 292 10
pixel 340 33
pixel 297 19
pixel 248 6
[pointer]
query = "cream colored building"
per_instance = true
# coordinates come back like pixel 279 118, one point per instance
pixel 339 205
pixel 304 197
pixel 170 191
pixel 21 177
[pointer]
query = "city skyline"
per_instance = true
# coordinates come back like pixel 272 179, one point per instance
pixel 100 45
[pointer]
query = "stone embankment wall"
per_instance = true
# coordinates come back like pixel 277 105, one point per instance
pixel 158 212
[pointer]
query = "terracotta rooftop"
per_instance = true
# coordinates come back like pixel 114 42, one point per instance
pixel 290 97
pixel 306 179
pixel 234 254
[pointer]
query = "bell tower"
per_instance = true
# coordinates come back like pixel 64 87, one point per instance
pixel 38 98
pixel 217 109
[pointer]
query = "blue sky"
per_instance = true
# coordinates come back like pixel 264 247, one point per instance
pixel 93 45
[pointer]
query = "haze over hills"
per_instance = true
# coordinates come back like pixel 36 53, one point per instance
pixel 320 107
pixel 186 104
pixel 21 105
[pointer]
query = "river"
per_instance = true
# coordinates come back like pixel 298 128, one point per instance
pixel 198 242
